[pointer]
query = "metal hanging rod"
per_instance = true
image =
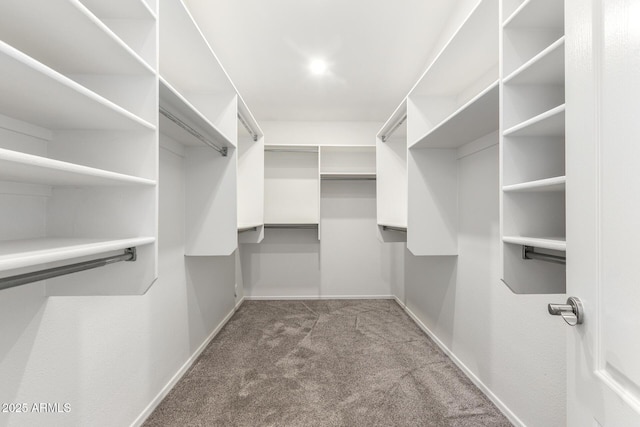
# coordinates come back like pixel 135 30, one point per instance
pixel 528 252
pixel 348 178
pixel 291 150
pixel 393 228
pixel 386 136
pixel 292 226
pixel 253 134
pixel 36 276
pixel 193 132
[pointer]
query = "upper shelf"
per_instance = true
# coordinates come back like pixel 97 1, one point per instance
pixel 67 37
pixel 549 123
pixel 47 98
pixel 26 253
pixel 469 54
pixel 476 118
pixel 186 58
pixel 537 13
pixel 545 68
pixel 20 167
pixel 179 106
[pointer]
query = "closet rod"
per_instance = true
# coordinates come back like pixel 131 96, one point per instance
pixel 253 133
pixel 528 252
pixel 386 136
pixel 291 150
pixel 193 132
pixel 348 178
pixel 393 228
pixel 292 226
pixel 36 276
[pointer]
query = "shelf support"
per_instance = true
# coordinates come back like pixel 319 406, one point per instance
pixel 36 276
pixel 528 252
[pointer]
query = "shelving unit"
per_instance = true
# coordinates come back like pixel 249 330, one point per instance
pixel 452 109
pixel 392 179
pixel 532 144
pixel 198 109
pixel 78 155
pixel 291 185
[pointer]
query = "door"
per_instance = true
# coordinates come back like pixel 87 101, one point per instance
pixel 603 210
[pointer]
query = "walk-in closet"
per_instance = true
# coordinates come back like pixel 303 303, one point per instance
pixel 319 213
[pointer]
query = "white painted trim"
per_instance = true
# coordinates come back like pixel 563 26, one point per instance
pixel 478 383
pixel 314 297
pixel 183 370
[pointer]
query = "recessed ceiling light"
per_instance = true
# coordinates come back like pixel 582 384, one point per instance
pixel 318 67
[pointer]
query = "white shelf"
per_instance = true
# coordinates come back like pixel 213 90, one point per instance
pixel 26 253
pixel 476 118
pixel 537 13
pixel 549 123
pixel 545 68
pixel 541 185
pixel 186 58
pixel 120 9
pixel 47 98
pixel 473 44
pixel 553 243
pixel 19 167
pixel 76 40
pixel 179 106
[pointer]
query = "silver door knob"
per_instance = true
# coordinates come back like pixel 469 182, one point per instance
pixel 572 312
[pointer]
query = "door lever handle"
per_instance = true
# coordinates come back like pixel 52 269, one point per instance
pixel 572 312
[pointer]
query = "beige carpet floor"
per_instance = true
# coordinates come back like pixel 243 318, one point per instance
pixel 324 363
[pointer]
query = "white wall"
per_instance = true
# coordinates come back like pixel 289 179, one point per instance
pixel 507 341
pixel 320 133
pixel 109 357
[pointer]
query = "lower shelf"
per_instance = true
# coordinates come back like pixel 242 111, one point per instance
pixel 16 254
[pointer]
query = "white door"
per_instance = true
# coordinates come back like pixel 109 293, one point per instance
pixel 603 210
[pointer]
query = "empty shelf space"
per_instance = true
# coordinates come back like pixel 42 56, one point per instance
pixel 19 167
pixel 97 51
pixel 120 9
pixel 549 123
pixel 537 13
pixel 26 253
pixel 554 243
pixel 176 104
pixel 348 175
pixel 549 184
pixel 547 67
pixel 476 118
pixel 47 98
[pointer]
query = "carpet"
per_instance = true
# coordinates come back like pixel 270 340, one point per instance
pixel 324 363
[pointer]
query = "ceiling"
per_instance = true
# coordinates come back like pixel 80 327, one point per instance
pixel 375 50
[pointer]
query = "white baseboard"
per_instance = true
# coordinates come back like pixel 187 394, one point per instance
pixel 478 383
pixel 315 297
pixel 183 369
